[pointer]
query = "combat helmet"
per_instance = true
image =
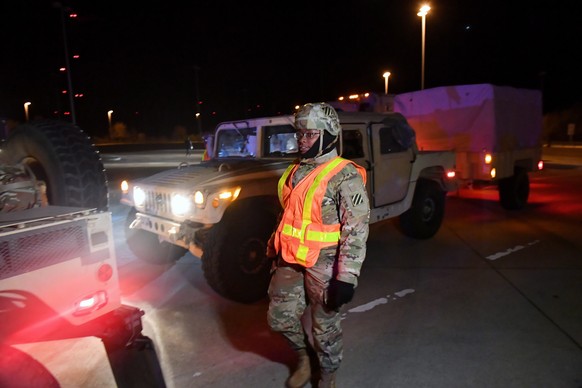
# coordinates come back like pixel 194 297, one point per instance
pixel 322 117
pixel 318 116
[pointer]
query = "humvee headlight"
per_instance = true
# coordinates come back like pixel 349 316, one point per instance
pixel 180 204
pixel 124 187
pixel 139 196
pixel 199 198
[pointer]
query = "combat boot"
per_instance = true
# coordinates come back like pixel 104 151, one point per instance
pixel 302 372
pixel 327 380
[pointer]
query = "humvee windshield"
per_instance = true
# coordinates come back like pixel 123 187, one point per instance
pixel 280 140
pixel 237 142
pixel 277 141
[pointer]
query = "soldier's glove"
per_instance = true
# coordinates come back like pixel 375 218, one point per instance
pixel 338 294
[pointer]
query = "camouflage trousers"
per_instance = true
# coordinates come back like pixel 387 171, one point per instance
pixel 293 290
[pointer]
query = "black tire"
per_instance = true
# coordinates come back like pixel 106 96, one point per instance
pixel 147 247
pixel 514 191
pixel 21 370
pixel 234 261
pixel 425 216
pixel 63 156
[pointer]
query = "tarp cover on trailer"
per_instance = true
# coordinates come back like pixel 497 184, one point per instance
pixel 473 118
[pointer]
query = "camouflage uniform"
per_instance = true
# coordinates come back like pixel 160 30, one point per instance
pixel 293 287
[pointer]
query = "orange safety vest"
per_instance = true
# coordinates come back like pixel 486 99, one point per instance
pixel 301 234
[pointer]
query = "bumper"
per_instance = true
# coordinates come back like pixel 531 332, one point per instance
pixel 188 235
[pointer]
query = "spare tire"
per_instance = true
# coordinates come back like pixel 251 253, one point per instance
pixel 63 156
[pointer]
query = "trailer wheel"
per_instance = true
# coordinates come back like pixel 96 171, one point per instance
pixel 147 247
pixel 514 191
pixel 234 261
pixel 63 156
pixel 425 216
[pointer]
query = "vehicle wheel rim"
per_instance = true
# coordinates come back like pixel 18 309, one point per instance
pixel 428 209
pixel 252 256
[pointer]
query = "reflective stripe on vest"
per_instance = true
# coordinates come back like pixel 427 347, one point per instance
pixel 300 242
pixel 282 181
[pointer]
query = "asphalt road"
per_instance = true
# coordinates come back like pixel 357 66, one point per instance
pixel 493 300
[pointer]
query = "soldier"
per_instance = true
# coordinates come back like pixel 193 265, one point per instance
pixel 320 243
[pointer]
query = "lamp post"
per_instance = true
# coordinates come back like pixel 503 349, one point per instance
pixel 26 105
pixel 67 62
pixel 198 102
pixel 422 13
pixel 386 75
pixel 109 113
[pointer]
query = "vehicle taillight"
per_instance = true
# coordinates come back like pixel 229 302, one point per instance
pixel 90 303
pixel 541 165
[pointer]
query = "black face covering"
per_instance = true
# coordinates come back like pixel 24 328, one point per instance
pixel 327 141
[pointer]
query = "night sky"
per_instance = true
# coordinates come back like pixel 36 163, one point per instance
pixel 150 61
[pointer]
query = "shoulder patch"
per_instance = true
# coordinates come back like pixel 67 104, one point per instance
pixel 357 199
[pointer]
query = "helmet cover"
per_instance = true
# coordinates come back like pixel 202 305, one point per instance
pixel 319 116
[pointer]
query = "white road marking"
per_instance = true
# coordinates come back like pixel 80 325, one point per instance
pixel 377 302
pixel 404 292
pixel 368 306
pixel 509 251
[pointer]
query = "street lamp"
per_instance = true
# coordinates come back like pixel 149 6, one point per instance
pixel 26 105
pixel 67 62
pixel 109 113
pixel 422 13
pixel 198 102
pixel 386 75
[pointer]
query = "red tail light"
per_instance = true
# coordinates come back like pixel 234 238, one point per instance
pixel 90 303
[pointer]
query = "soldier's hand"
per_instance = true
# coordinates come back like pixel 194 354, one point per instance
pixel 338 294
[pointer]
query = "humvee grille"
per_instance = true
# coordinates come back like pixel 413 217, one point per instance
pixel 38 248
pixel 157 203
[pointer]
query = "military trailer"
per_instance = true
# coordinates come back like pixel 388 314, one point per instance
pixel 495 132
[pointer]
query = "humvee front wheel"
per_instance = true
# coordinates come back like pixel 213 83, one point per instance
pixel 147 247
pixel 425 216
pixel 234 261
